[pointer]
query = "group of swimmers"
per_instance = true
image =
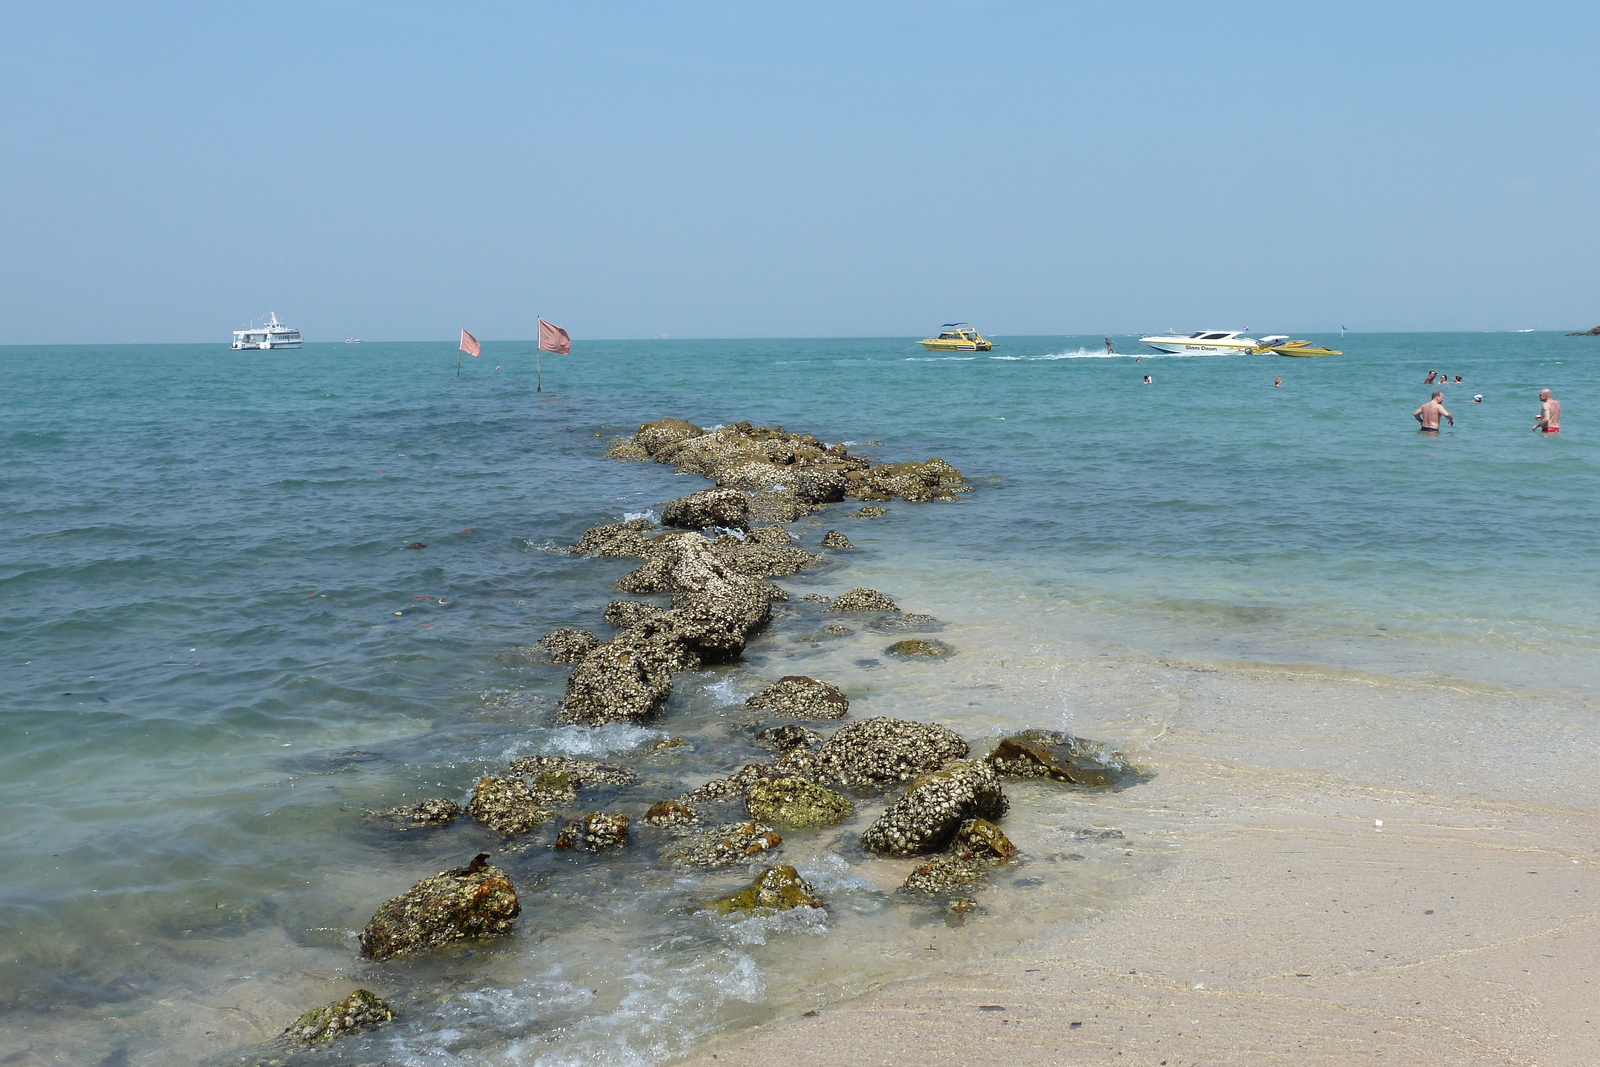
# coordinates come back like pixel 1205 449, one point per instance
pixel 1429 414
pixel 1444 379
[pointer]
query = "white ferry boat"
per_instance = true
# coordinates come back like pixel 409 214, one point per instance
pixel 268 334
pixel 1201 343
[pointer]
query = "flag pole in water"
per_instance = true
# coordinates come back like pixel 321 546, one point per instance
pixel 470 345
pixel 551 339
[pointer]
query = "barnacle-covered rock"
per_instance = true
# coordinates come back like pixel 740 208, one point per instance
pixel 796 804
pixel 569 646
pixel 434 811
pixel 614 539
pixel 862 599
pixel 926 817
pixel 616 683
pixel 724 846
pixel 735 785
pixel 802 697
pixel 788 737
pixel 723 506
pixel 775 889
pixel 623 448
pixel 763 559
pixel 508 806
pixel 877 753
pixel 835 539
pixel 670 813
pixel 477 900
pixel 595 832
pixel 1050 754
pixel 361 1010
pixel 978 848
pixel 659 438
pixel 920 648
pixel 916 482
pixel 871 511
pixel 625 613
pixel 581 772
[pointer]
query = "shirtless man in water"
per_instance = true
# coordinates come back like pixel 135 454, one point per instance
pixel 1549 420
pixel 1428 414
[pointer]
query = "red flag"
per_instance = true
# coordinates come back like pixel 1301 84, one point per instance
pixel 554 339
pixel 470 345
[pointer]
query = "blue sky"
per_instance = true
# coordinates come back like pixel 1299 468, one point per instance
pixel 398 170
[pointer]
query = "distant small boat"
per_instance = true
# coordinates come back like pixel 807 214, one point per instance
pixel 1524 331
pixel 271 334
pixel 1282 346
pixel 956 337
pixel 352 340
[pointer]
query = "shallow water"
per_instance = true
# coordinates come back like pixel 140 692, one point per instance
pixel 219 654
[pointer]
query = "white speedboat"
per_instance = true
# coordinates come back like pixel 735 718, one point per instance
pixel 1201 343
pixel 266 335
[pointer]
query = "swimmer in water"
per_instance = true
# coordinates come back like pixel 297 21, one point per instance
pixel 1428 414
pixel 1458 379
pixel 1549 420
pixel 1148 380
pixel 1433 376
pixel 1477 398
pixel 1277 383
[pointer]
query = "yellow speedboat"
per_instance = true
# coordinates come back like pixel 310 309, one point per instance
pixel 1282 346
pixel 956 337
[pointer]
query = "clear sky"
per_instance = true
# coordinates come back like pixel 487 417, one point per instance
pixel 399 170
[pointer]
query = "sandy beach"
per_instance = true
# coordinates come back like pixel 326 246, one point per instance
pixel 1289 926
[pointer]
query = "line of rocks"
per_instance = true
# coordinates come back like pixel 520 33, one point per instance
pixel 714 561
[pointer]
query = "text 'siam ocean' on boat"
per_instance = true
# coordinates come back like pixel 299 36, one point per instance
pixel 956 337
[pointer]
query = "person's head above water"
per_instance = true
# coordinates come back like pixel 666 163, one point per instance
pixel 1477 398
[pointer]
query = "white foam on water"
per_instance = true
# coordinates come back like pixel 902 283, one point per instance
pixel 725 694
pixel 612 739
pixel 938 359
pixel 633 516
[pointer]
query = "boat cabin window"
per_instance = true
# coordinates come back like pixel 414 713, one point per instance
pixel 1213 337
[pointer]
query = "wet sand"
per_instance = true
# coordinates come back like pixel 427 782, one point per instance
pixel 1287 926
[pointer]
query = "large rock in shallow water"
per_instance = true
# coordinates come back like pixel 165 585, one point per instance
pixel 569 646
pixel 802 697
pixel 927 817
pixel 775 889
pixel 361 1010
pixel 663 435
pixel 616 683
pixel 863 599
pixel 723 506
pixel 1050 754
pixel 477 900
pixel 876 753
pixel 724 846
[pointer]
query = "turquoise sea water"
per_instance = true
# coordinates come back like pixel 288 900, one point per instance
pixel 218 651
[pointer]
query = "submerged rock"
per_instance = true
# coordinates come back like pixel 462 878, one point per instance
pixel 595 832
pixel 802 697
pixel 920 648
pixel 581 772
pixel 878 752
pixel 735 785
pixel 507 806
pixel 569 646
pixel 789 737
pixel 871 511
pixel 775 889
pixel 434 811
pixel 930 812
pixel 724 846
pixel 477 900
pixel 669 813
pixel 864 599
pixel 723 506
pixel 1050 754
pixel 796 804
pixel 908 622
pixel 624 449
pixel 361 1010
pixel 916 482
pixel 835 539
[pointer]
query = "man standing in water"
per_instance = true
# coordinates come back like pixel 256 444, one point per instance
pixel 1428 414
pixel 1549 420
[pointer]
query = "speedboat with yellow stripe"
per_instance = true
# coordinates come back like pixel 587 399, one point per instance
pixel 956 337
pixel 1282 346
